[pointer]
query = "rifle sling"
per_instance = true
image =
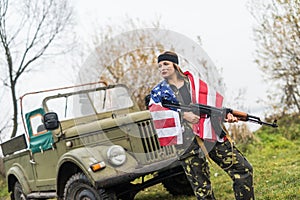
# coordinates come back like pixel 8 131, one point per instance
pixel 231 145
pixel 203 148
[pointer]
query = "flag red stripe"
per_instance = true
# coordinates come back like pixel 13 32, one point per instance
pixel 164 123
pixel 157 107
pixel 219 100
pixel 192 86
pixel 203 91
pixel 165 141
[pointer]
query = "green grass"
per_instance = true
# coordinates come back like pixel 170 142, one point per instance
pixel 276 163
pixel 3 189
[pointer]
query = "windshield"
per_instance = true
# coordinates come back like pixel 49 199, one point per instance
pixel 89 102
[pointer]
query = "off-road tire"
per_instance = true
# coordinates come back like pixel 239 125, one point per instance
pixel 178 185
pixel 79 187
pixel 17 192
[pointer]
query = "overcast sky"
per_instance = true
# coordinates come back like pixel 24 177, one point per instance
pixel 225 28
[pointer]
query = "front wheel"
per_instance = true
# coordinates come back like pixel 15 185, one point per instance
pixel 79 187
pixel 17 193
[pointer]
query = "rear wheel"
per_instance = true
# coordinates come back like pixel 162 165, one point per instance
pixel 79 187
pixel 17 193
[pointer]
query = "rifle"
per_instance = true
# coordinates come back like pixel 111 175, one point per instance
pixel 217 115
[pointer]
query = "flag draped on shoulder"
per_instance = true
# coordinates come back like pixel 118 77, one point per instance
pixel 203 94
pixel 166 121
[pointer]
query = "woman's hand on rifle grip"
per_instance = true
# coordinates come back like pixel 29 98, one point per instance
pixel 231 118
pixel 191 117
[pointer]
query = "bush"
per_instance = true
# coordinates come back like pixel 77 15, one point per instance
pixel 288 126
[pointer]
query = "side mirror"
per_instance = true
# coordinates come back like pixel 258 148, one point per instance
pixel 51 121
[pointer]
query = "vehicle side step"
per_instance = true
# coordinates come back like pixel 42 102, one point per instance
pixel 36 195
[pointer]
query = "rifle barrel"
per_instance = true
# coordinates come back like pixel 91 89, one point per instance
pixel 274 124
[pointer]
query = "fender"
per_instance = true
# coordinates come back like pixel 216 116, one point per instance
pixel 78 157
pixel 81 158
pixel 86 156
pixel 64 171
pixel 17 171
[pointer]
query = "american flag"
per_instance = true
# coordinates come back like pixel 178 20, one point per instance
pixel 166 120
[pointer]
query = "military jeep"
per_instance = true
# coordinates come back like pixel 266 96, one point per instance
pixel 92 142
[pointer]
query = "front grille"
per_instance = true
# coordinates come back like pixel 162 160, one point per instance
pixel 152 148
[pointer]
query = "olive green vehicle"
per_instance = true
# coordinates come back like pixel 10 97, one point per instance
pixel 92 142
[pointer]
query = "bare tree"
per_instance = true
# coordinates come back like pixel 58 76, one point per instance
pixel 28 29
pixel 131 56
pixel 277 36
pixel 116 62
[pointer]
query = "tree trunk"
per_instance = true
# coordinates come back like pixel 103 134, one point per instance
pixel 15 108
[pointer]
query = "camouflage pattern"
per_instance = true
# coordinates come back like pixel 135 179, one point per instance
pixel 228 157
pixel 197 171
pixel 233 162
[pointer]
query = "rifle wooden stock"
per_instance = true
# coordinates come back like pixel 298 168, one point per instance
pixel 240 115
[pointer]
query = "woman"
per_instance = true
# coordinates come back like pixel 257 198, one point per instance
pixel 178 87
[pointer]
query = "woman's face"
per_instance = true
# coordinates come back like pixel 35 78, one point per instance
pixel 166 69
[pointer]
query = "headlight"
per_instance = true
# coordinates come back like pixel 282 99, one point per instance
pixel 116 155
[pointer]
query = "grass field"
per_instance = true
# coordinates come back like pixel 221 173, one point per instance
pixel 276 163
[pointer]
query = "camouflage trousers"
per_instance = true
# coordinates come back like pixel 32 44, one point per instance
pixel 229 158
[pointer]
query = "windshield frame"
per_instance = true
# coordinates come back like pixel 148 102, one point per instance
pixel 86 92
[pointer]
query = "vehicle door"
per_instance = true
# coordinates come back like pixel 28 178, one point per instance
pixel 41 144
